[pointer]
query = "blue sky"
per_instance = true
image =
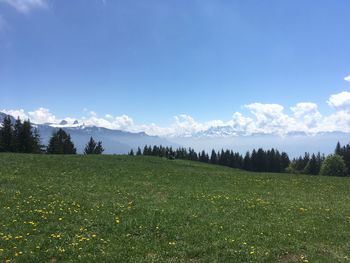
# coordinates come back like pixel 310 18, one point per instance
pixel 153 60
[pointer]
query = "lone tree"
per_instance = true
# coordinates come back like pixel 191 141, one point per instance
pixel 93 148
pixel 60 143
pixel 333 165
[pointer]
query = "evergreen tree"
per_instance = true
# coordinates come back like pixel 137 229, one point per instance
pixel 213 157
pixel 17 132
pixel 6 135
pixel 145 150
pixel 60 143
pixel 345 153
pixel 312 166
pixel 93 148
pixel 29 141
pixel 284 161
pixel 99 149
pixel 138 151
pixel 90 146
pixel 131 153
pixel 338 149
pixel 247 162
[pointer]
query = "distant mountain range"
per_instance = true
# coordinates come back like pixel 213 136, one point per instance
pixel 226 137
pixel 114 141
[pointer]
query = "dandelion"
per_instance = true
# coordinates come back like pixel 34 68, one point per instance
pixel 172 243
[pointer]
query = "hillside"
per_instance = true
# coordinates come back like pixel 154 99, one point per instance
pixel 145 209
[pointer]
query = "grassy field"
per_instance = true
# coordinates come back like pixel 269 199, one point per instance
pixel 145 209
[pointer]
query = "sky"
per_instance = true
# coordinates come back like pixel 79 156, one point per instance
pixel 177 67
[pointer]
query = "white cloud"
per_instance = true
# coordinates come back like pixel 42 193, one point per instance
pixel 270 118
pixel 340 100
pixel 241 124
pixel 123 122
pixel 307 114
pixel 42 115
pixel 264 118
pixel 25 6
pixel 16 113
pixel 339 121
pixel 347 78
pixel 304 108
pixel 186 125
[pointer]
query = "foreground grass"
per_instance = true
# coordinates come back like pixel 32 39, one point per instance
pixel 144 209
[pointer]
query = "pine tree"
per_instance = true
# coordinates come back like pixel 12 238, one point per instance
pixel 29 141
pixel 17 131
pixel 284 161
pixel 247 162
pixel 338 149
pixel 6 134
pixel 312 166
pixel 213 157
pixel 60 143
pixel 90 146
pixel 99 149
pixel 131 153
pixel 138 151
pixel 93 148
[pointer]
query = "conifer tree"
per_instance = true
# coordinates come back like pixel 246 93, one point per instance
pixel 17 131
pixel 338 149
pixel 60 143
pixel 213 157
pixel 90 146
pixel 6 134
pixel 312 166
pixel 284 161
pixel 247 162
pixel 29 141
pixel 99 148
pixel 93 148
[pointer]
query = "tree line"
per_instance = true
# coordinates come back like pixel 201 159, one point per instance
pixel 22 137
pixel 337 164
pixel 258 160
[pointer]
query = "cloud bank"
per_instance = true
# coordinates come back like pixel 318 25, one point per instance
pixel 304 117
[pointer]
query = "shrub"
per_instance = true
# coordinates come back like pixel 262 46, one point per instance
pixel 334 165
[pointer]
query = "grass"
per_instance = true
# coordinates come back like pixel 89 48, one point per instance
pixel 145 209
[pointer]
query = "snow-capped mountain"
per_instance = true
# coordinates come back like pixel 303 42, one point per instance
pixel 114 141
pixel 226 137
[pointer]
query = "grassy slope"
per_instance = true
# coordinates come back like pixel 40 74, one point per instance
pixel 144 209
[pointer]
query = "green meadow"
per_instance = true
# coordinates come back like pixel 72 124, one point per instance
pixel 147 209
